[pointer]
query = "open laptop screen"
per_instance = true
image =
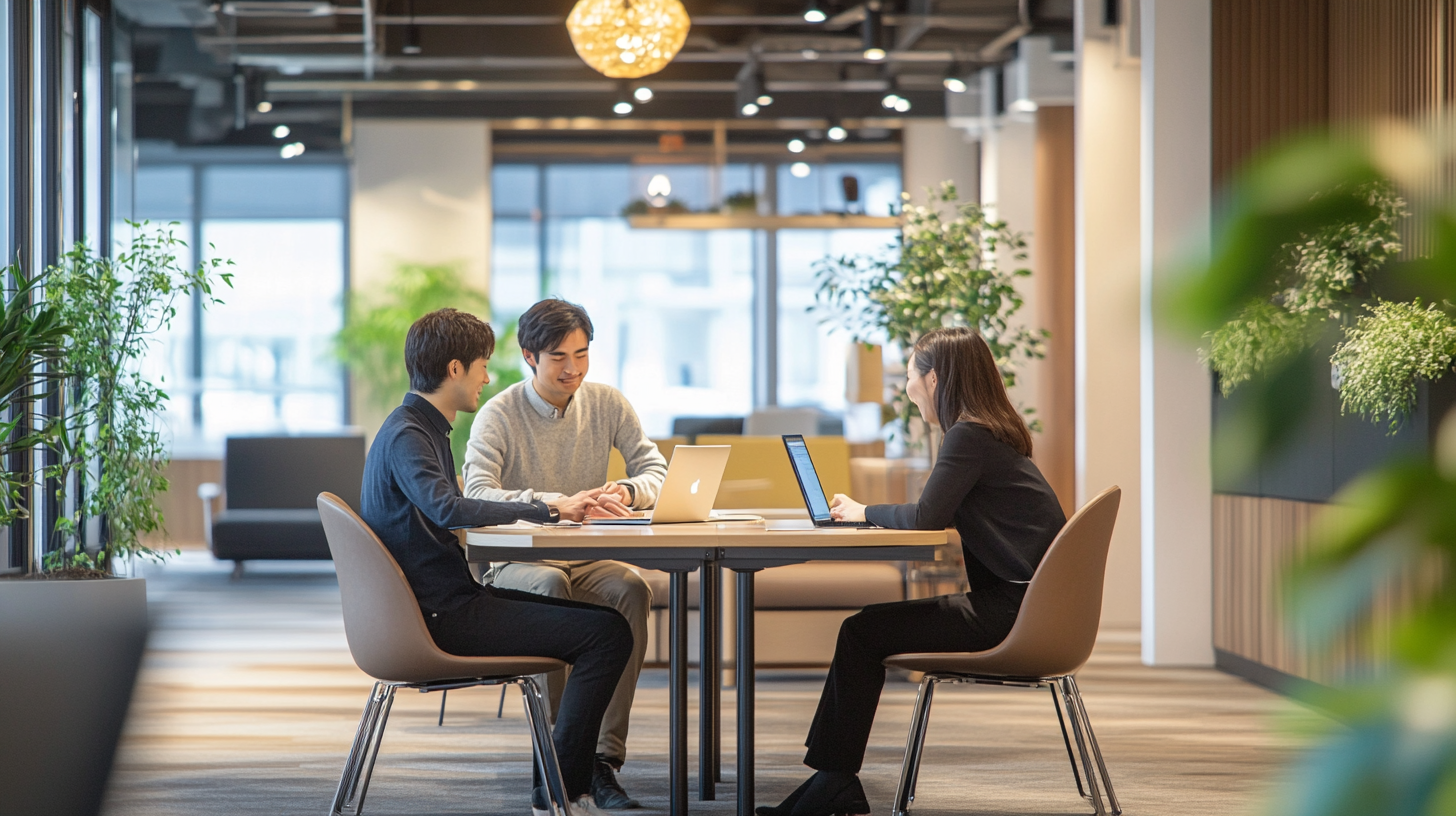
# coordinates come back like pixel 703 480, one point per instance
pixel 808 479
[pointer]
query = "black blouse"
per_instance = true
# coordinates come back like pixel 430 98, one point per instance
pixel 1004 510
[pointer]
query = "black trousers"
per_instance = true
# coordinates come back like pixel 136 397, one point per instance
pixel 595 640
pixel 949 623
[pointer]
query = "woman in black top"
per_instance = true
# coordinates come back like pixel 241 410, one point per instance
pixel 983 483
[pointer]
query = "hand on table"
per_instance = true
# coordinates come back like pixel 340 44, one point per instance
pixel 609 506
pixel 577 507
pixel 843 508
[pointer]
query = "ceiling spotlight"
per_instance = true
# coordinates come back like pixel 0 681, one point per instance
pixel 837 134
pixel 642 94
pixel 412 41
pixel 902 105
pixel 814 14
pixel 764 100
pixel 799 169
pixel 809 54
pixel 1023 106
pixel 796 145
pixel 292 149
pixel 871 33
pixel 749 110
pixel 890 100
pixel 622 108
pixel 265 106
pixel 750 96
pixel 281 132
pixel 954 84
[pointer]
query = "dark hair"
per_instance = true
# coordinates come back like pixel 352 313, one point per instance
pixel 546 324
pixel 969 385
pixel 439 337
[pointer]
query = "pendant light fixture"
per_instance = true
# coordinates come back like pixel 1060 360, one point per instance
pixel 625 39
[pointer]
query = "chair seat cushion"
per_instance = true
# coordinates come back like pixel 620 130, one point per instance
pixel 994 662
pixel 447 667
pixel 268 534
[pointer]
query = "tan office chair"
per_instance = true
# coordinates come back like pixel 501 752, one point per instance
pixel 1052 638
pixel 389 641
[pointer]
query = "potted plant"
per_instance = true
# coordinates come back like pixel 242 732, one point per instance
pixel 371 343
pixel 72 647
pixel 945 271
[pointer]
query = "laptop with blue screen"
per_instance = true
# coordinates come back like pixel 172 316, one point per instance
pixel 809 485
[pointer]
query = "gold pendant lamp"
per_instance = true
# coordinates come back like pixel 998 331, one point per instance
pixel 626 39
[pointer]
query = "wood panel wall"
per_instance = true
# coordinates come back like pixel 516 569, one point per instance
pixel 181 509
pixel 1270 75
pixel 1055 281
pixel 1256 543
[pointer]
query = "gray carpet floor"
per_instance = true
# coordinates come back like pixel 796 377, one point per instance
pixel 248 700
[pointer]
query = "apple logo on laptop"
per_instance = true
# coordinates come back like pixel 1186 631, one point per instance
pixel 694 488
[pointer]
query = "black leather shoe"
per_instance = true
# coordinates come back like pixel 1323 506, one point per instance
pixel 785 807
pixel 606 790
pixel 827 793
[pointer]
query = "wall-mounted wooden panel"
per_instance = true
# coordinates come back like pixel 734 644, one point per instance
pixel 1270 76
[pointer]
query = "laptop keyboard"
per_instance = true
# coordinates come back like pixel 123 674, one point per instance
pixel 843 524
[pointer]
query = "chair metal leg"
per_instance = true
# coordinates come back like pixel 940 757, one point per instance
pixel 1067 741
pixel 500 709
pixel 1092 741
pixel 543 746
pixel 914 747
pixel 1068 692
pixel 443 694
pixel 354 783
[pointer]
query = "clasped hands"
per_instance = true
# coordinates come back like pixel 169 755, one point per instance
pixel 608 501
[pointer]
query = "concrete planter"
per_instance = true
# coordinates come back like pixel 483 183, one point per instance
pixel 69 654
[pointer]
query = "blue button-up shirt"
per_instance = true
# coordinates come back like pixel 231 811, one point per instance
pixel 412 501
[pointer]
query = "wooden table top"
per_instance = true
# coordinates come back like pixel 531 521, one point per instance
pixel 723 535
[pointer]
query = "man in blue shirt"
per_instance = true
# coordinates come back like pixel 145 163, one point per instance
pixel 413 502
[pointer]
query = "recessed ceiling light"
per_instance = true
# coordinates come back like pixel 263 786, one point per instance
pixel 764 100
pixel 837 134
pixel 642 94
pixel 281 132
pixel 292 149
pixel 814 14
pixel 796 145
pixel 622 108
pixel 874 54
pixel 902 105
pixel 749 110
pixel 954 84
pixel 265 106
pixel 888 103
pixel 799 169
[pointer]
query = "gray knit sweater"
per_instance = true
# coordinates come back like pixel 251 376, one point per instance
pixel 523 449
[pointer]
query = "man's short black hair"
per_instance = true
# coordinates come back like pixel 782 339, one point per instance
pixel 439 337
pixel 545 325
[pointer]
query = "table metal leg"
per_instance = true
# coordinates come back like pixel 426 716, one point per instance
pixel 744 657
pixel 707 723
pixel 717 685
pixel 678 697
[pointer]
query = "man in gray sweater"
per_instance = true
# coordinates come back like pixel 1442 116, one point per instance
pixel 550 437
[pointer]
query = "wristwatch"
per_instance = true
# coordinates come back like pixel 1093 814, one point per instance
pixel 552 514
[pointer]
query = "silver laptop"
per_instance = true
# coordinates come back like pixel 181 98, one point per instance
pixel 688 492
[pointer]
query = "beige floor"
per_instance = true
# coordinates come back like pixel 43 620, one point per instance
pixel 248 700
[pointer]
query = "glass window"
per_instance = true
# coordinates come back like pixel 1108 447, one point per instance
pixel 813 355
pixel 823 189
pixel 261 363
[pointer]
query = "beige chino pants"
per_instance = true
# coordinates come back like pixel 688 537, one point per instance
pixel 604 583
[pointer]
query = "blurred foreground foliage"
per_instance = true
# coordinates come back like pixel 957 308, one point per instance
pixel 1393 750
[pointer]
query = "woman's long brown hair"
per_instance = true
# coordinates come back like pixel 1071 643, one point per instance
pixel 969 386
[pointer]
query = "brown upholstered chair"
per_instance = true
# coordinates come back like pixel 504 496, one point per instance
pixel 1052 638
pixel 389 641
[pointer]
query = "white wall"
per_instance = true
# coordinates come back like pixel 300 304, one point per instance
pixel 1107 311
pixel 1176 390
pixel 1008 189
pixel 936 152
pixel 421 194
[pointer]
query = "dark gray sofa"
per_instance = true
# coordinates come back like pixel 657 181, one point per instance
pixel 272 486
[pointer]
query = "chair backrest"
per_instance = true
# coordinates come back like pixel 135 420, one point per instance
pixel 759 474
pixel 690 427
pixel 1057 626
pixel 382 619
pixel 288 472
pixel 780 421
